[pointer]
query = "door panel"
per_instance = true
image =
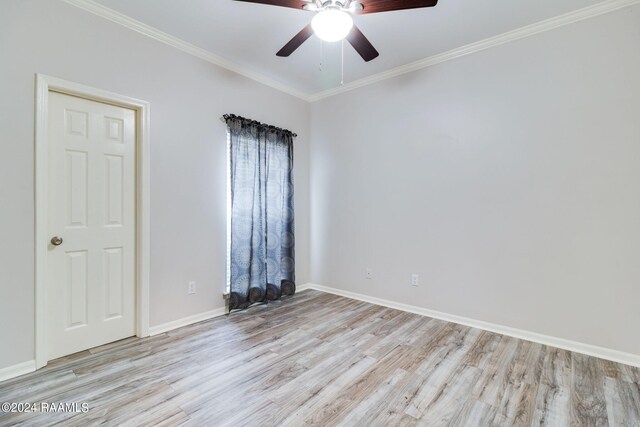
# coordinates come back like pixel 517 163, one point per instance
pixel 114 282
pixel 91 206
pixel 113 191
pixel 76 186
pixel 77 280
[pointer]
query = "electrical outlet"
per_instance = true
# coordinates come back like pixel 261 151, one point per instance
pixel 191 288
pixel 368 274
pixel 415 280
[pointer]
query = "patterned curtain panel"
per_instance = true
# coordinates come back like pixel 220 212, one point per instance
pixel 262 259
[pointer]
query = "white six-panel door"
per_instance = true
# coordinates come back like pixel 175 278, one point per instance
pixel 91 223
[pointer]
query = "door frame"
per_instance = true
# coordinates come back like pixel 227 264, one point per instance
pixel 44 85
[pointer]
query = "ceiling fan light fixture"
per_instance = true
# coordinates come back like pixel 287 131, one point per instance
pixel 332 25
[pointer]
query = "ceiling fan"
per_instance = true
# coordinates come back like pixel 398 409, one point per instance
pixel 333 21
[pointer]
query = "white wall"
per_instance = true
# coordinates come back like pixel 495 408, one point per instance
pixel 188 149
pixel 508 179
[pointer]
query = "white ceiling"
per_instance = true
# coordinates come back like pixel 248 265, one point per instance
pixel 250 34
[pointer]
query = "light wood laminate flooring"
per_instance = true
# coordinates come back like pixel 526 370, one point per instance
pixel 320 359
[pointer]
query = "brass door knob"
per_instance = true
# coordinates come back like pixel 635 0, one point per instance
pixel 56 241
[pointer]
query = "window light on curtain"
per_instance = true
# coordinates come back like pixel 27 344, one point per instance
pixel 262 242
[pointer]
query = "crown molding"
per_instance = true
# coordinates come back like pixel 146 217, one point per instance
pixel 598 9
pixel 149 31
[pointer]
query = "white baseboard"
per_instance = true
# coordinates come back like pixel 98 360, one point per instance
pixel 17 370
pixel 303 287
pixel 578 347
pixel 175 324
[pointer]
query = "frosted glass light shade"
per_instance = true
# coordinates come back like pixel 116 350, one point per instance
pixel 332 25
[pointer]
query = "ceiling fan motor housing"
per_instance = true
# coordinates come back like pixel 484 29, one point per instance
pixel 347 6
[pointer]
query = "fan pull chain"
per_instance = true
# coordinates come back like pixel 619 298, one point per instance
pixel 321 55
pixel 342 61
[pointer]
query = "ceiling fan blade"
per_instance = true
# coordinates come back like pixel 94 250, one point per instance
pixel 376 6
pixel 362 45
pixel 295 4
pixel 296 41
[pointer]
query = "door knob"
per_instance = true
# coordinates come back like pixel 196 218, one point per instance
pixel 56 241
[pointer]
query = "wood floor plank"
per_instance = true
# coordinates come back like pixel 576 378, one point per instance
pixel 437 370
pixel 623 402
pixel 490 386
pixel 474 413
pixel 298 405
pixel 367 408
pixel 552 405
pixel 588 403
pixel 322 359
pixel 450 397
pixel 521 383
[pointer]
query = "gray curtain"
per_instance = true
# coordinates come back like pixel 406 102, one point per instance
pixel 262 259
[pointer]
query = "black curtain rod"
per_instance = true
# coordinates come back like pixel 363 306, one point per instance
pixel 226 117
